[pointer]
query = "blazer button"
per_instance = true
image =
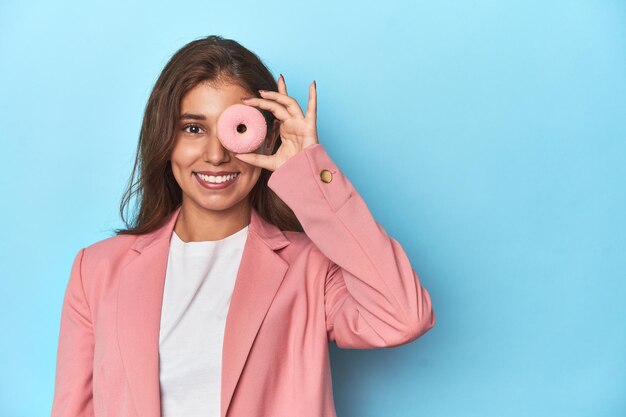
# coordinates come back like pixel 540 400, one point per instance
pixel 326 175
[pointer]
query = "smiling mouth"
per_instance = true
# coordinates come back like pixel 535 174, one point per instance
pixel 217 179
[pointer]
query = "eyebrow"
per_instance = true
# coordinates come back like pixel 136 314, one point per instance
pixel 192 116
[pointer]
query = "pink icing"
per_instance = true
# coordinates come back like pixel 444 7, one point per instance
pixel 252 124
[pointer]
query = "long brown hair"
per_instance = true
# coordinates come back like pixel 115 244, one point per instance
pixel 213 60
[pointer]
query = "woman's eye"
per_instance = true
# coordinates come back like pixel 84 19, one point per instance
pixel 192 127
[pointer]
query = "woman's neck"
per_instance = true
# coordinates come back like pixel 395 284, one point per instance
pixel 196 224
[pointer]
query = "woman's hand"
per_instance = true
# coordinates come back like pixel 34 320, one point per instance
pixel 297 131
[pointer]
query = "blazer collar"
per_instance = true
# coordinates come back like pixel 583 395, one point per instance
pixel 140 296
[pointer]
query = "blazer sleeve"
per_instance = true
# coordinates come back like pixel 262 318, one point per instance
pixel 372 296
pixel 73 381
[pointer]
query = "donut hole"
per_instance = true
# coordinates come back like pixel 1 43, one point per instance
pixel 241 128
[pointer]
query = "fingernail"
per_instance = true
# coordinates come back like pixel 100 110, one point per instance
pixel 314 84
pixel 281 76
pixel 246 98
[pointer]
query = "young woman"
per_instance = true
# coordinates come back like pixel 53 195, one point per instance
pixel 222 296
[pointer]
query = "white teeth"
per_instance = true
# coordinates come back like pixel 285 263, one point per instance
pixel 216 179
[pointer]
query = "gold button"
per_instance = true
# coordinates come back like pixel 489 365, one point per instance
pixel 326 175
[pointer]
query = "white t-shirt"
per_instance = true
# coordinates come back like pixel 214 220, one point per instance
pixel 199 284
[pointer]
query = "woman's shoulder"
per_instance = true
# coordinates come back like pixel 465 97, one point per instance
pixel 112 247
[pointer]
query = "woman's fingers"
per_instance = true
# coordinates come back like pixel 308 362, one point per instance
pixel 282 86
pixel 276 108
pixel 295 134
pixel 311 109
pixel 264 161
pixel 289 103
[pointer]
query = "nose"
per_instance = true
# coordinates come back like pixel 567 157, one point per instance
pixel 214 151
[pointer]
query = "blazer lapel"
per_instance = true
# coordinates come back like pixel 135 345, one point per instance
pixel 140 299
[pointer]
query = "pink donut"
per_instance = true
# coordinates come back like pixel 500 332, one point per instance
pixel 241 128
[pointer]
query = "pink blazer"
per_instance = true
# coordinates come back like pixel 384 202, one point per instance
pixel 344 280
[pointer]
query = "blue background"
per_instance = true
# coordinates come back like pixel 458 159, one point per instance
pixel 488 138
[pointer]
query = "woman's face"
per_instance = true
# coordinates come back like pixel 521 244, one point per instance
pixel 198 149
